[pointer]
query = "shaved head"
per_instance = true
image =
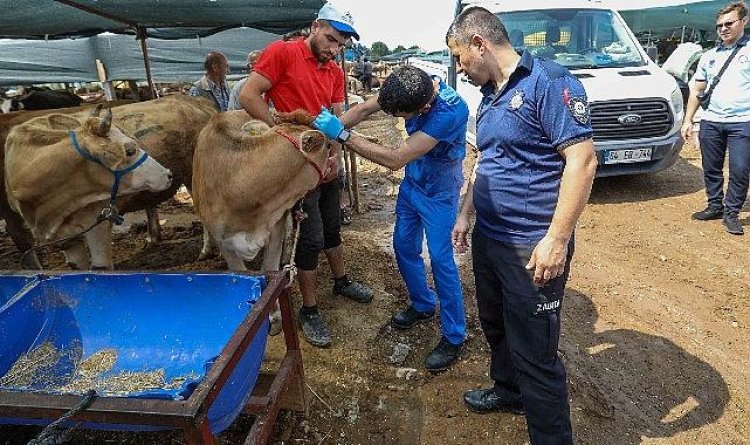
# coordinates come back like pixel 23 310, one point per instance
pixel 477 20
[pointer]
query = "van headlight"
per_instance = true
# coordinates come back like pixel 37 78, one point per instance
pixel 676 98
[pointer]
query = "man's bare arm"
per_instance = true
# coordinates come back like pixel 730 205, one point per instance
pixel 691 108
pixel 394 158
pixel 251 98
pixel 360 112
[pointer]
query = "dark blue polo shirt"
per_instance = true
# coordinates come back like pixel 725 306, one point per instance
pixel 520 132
pixel 439 170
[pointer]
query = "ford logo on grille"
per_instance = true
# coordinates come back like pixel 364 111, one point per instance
pixel 629 119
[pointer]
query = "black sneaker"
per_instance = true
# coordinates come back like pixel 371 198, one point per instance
pixel 409 317
pixel 314 329
pixel 444 354
pixel 732 224
pixel 709 213
pixel 485 401
pixel 354 290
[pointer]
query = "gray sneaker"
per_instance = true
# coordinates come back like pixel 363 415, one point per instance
pixel 314 329
pixel 732 224
pixel 354 290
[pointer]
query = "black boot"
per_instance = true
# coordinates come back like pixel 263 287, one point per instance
pixel 487 401
pixel 444 354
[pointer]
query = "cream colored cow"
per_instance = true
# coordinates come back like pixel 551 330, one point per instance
pixel 59 174
pixel 246 179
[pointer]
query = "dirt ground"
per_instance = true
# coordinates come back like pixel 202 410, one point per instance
pixel 655 312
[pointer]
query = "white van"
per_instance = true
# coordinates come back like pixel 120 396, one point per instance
pixel 636 107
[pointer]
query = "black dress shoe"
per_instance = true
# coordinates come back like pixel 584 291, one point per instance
pixel 444 354
pixel 409 317
pixel 733 225
pixel 487 401
pixel 709 213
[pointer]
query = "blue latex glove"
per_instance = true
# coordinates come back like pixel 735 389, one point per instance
pixel 330 125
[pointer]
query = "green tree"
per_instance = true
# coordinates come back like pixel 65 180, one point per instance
pixel 414 47
pixel 399 49
pixel 379 49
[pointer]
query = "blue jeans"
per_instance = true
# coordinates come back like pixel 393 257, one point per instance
pixel 716 139
pixel 417 215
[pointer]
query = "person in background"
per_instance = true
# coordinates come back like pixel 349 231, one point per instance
pixel 213 85
pixel 530 184
pixel 234 96
pixel 303 74
pixel 428 197
pixel 367 75
pixel 725 123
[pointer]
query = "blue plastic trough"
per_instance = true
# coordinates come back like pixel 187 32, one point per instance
pixel 176 324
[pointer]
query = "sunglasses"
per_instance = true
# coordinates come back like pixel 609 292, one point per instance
pixel 726 24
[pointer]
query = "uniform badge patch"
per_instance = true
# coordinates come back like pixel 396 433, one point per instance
pixel 579 109
pixel 516 101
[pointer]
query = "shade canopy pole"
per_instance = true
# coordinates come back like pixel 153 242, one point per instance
pixel 139 30
pixel 350 158
pixel 141 36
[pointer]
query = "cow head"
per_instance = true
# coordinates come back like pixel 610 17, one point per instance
pixel 118 152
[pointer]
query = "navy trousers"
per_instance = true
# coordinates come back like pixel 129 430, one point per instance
pixel 716 140
pixel 522 325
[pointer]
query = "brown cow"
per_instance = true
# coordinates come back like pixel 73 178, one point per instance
pixel 166 128
pixel 247 177
pixel 59 175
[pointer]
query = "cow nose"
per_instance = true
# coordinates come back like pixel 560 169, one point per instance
pixel 130 150
pixel 169 175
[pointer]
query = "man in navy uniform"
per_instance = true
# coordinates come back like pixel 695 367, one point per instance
pixel 530 185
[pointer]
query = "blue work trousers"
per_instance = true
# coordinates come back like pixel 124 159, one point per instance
pixel 716 140
pixel 418 215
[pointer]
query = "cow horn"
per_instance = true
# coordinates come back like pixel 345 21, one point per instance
pixel 96 110
pixel 105 123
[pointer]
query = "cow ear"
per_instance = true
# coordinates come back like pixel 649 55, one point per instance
pixel 255 127
pixel 95 126
pixel 312 140
pixel 62 122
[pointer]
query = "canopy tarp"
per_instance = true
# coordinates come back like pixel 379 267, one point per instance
pixel 26 62
pixel 666 17
pixel 51 19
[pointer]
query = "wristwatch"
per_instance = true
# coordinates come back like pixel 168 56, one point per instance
pixel 343 136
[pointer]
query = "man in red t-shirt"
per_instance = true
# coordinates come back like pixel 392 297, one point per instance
pixel 303 74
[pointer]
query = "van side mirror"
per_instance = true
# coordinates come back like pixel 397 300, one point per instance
pixel 652 52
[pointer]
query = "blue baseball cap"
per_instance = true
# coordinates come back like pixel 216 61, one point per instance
pixel 342 21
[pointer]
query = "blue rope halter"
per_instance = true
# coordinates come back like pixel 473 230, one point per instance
pixel 118 174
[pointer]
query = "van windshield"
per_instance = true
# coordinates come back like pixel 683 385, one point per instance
pixel 574 38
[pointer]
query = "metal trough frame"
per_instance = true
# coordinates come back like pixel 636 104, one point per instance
pixel 285 388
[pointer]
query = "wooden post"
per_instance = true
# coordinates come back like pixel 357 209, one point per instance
pixel 350 164
pixel 141 35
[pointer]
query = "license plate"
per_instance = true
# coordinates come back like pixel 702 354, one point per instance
pixel 627 156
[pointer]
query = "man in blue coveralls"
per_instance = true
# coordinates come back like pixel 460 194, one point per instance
pixel 529 187
pixel 428 197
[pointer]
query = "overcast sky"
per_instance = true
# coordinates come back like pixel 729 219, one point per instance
pixel 401 22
